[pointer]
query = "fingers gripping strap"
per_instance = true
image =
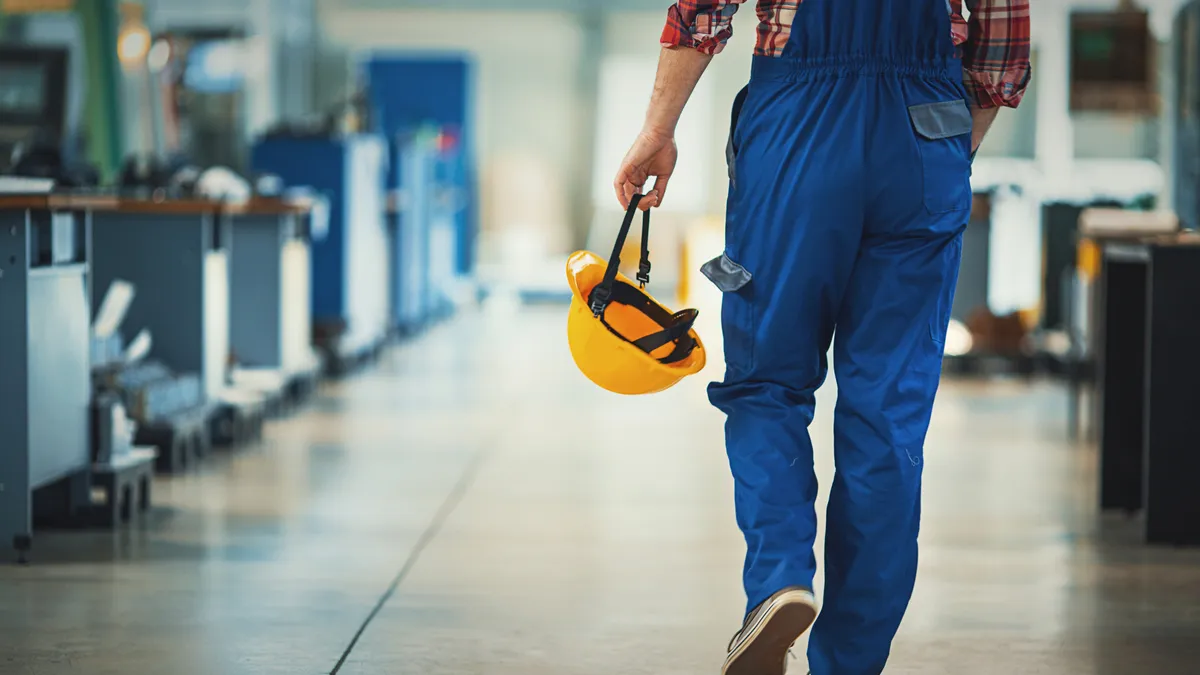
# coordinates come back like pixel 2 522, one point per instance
pixel 602 293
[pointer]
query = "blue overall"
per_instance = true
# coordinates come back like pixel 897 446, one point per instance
pixel 849 191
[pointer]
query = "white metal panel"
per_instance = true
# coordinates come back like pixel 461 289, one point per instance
pixel 295 309
pixel 216 320
pixel 59 373
pixel 366 245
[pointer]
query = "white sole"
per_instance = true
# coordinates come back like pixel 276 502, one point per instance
pixel 764 647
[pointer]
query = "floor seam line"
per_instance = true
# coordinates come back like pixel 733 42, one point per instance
pixel 449 504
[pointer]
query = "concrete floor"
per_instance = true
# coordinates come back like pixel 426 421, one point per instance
pixel 484 511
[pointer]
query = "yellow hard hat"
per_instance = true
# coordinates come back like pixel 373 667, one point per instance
pixel 621 338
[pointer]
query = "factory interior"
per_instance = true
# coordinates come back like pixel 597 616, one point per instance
pixel 286 389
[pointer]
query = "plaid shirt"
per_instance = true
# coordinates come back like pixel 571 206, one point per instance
pixel 994 44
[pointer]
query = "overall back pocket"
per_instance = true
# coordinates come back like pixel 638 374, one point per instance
pixel 943 132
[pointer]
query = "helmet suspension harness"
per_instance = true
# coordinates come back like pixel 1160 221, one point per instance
pixel 675 328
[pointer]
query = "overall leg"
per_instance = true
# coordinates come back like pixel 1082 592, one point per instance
pixel 887 360
pixel 887 363
pixel 838 217
pixel 794 222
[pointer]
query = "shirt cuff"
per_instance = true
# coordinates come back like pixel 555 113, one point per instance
pixel 680 33
pixel 708 45
pixel 991 89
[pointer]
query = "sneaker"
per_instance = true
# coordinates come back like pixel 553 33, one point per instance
pixel 761 646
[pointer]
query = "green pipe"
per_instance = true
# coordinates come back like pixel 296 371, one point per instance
pixel 98 20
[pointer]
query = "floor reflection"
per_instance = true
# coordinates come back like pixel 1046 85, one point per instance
pixel 597 537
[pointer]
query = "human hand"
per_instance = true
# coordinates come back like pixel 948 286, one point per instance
pixel 652 154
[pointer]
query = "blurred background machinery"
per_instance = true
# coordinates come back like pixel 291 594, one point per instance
pixel 291 185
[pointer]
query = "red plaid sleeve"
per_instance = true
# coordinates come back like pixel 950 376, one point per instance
pixel 705 25
pixel 996 52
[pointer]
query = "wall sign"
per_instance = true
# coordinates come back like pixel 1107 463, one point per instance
pixel 1112 62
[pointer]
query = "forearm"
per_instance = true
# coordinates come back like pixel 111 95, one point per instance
pixel 679 69
pixel 981 121
pixel 995 60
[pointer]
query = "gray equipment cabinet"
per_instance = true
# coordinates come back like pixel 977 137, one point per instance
pixel 269 313
pixel 45 375
pixel 176 253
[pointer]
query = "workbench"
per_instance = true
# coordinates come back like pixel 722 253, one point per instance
pixel 45 376
pixel 270 318
pixel 1148 347
pixel 176 253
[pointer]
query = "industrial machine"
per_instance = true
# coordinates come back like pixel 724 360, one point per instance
pixel 122 470
pixel 44 390
pixel 350 264
pixel 204 83
pixel 139 393
pixel 408 233
pixel 176 252
pixel 446 83
pixel 270 323
pixel 33 92
pixel 33 120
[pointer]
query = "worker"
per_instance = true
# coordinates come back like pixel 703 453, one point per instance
pixel 850 156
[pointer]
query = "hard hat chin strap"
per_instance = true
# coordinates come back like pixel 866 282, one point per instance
pixel 601 295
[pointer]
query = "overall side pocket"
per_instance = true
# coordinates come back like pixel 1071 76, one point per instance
pixel 737 310
pixel 943 132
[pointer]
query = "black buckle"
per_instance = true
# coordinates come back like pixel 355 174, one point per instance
pixel 599 300
pixel 643 275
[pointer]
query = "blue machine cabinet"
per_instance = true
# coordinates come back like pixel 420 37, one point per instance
pixel 45 374
pixel 409 246
pixel 445 242
pixel 424 241
pixel 350 263
pixel 411 91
